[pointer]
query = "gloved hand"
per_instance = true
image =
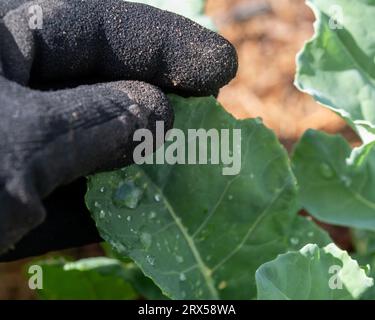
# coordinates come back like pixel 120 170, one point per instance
pixel 51 138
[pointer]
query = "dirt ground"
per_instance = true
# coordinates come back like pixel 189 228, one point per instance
pixel 267 34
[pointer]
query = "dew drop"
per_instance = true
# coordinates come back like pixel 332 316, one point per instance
pixel 182 277
pixel 157 197
pixel 119 216
pixel 102 189
pixel 179 259
pixel 146 239
pixel 150 260
pixel 294 241
pixel 310 234
pixel 326 171
pixel 128 218
pixel 119 247
pixel 128 195
pixel 102 214
pixel 152 215
pixel 96 204
pixel 346 180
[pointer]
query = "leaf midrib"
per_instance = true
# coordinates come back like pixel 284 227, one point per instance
pixel 204 270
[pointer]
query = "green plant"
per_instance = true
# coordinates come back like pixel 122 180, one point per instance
pixel 200 235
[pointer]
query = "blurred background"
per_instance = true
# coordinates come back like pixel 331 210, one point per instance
pixel 267 34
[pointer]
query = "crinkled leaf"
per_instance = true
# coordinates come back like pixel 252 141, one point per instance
pixel 312 274
pixel 330 189
pixel 95 278
pixel 197 233
pixel 337 66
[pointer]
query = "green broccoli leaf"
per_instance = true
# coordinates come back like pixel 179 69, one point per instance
pixel 197 233
pixel 330 189
pixel 337 66
pixel 88 279
pixel 312 274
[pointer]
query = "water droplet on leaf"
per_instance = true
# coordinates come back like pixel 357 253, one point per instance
pixel 102 214
pixel 179 259
pixel 326 171
pixel 150 260
pixel 128 195
pixel 182 277
pixel 146 239
pixel 294 241
pixel 346 180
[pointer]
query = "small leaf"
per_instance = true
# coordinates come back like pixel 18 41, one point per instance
pixel 95 278
pixel 312 274
pixel 337 65
pixel 331 189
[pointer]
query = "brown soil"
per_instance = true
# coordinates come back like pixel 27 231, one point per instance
pixel 267 44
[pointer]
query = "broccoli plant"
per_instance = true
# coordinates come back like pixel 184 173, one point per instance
pixel 190 232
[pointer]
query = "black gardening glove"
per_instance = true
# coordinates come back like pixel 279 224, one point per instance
pixel 49 140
